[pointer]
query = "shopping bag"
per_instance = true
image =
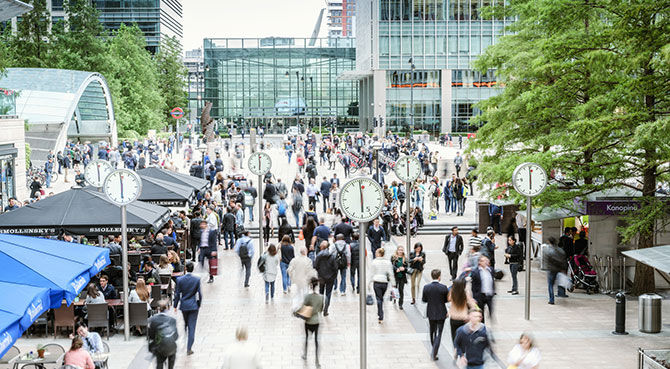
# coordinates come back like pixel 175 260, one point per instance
pixel 213 266
pixel 564 281
pixel 301 235
pixel 369 300
pixel 305 312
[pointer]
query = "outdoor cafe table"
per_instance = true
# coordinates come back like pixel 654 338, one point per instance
pixel 22 360
pixel 110 302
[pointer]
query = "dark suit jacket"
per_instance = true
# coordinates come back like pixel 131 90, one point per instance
pixel 459 244
pixel 212 240
pixel 435 296
pixel 477 282
pixel 187 287
pixel 376 237
pixel 157 322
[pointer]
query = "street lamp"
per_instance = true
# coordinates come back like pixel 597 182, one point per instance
pixel 411 97
pixel 203 148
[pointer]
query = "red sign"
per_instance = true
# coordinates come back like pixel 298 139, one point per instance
pixel 177 113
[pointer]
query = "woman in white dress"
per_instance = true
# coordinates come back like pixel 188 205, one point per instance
pixel 524 355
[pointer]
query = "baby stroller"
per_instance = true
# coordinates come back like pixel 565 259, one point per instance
pixel 583 274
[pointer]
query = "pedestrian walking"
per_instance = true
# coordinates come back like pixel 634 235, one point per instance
pixel 315 302
pixel 471 342
pixel 458 162
pixel 435 296
pixel 244 248
pixel 162 335
pixel 399 262
pixel 327 271
pixel 300 271
pixel 515 256
pixel 354 248
pixel 186 290
pixel 381 272
pixel 340 248
pixel 324 190
pixel 483 288
pixel 461 303
pixel 555 264
pixel 375 235
pixel 271 264
pixel 287 255
pixel 453 247
pixel 417 259
pixel 208 248
pixel 242 354
pixel 524 355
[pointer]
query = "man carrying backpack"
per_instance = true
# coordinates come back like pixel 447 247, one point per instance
pixel 162 335
pixel 342 254
pixel 244 248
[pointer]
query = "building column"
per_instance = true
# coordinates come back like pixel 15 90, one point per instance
pixel 446 102
pixel 379 89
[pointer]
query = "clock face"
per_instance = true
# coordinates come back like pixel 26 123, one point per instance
pixel 407 168
pixel 259 163
pixel 96 172
pixel 123 186
pixel 529 179
pixel 361 199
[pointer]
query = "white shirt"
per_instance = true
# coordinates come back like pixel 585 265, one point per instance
pixel 487 281
pixel 204 238
pixel 452 243
pixel 242 355
pixel 531 360
pixel 212 221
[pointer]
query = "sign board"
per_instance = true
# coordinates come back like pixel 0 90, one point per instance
pixel 611 207
pixel 177 113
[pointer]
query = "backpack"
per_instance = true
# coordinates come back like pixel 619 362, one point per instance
pixel 244 251
pixel 340 259
pixel 296 206
pixel 248 199
pixel 281 209
pixel 165 341
pixel 401 194
pixel 261 264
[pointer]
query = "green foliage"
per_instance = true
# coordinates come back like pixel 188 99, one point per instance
pixel 30 46
pixel 132 77
pixel 28 151
pixel 171 77
pixel 586 95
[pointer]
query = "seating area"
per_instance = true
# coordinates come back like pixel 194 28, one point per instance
pixel 46 356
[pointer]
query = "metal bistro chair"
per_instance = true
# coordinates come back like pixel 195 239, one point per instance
pixel 134 260
pixel 116 259
pixel 155 296
pixel 166 280
pixel 42 320
pixel 63 317
pixel 53 353
pixel 9 355
pixel 98 316
pixel 138 314
pixel 105 349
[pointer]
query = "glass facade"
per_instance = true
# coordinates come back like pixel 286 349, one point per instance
pixel 442 38
pixel 276 82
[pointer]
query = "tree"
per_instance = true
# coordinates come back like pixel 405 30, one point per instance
pixel 79 45
pixel 171 77
pixel 31 46
pixel 133 79
pixel 573 76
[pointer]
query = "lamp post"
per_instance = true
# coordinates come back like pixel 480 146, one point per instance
pixel 411 97
pixel 203 148
pixel 311 87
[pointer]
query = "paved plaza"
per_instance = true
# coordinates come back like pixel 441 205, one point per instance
pixel 574 333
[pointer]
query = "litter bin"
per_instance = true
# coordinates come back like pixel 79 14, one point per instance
pixel 649 313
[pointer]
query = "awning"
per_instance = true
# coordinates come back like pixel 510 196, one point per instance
pixel 545 214
pixel 197 184
pixel 656 257
pixel 10 9
pixel 19 311
pixel 354 75
pixel 159 192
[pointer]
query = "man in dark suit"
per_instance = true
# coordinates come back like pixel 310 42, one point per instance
pixel 453 247
pixel 435 296
pixel 483 288
pixel 208 246
pixel 325 192
pixel 162 335
pixel 159 246
pixel 187 287
pixel 195 234
pixel 376 234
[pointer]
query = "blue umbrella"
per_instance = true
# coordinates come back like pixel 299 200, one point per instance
pixel 63 267
pixel 17 313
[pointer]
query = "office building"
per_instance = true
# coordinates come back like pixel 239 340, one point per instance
pixel 341 19
pixel 157 19
pixel 195 78
pixel 422 51
pixel 280 82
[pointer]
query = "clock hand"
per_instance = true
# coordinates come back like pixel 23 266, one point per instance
pixel 121 182
pixel 530 179
pixel 407 168
pixel 259 161
pixel 360 189
pixel 98 166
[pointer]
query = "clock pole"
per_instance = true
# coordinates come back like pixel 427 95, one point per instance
pixel 362 295
pixel 260 215
pixel 124 263
pixel 529 230
pixel 407 225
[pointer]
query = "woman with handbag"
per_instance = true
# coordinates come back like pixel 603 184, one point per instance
pixel 270 271
pixel 381 272
pixel 524 355
pixel 312 306
pixel 514 253
pixel 417 259
pixel 399 262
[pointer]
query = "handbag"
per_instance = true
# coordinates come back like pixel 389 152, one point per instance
pixel 213 266
pixel 369 300
pixel 301 235
pixel 305 312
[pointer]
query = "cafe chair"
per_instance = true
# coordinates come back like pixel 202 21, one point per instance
pixel 63 317
pixel 138 314
pixel 60 361
pixel 32 366
pixel 166 280
pixel 98 316
pixel 54 351
pixel 105 349
pixel 69 367
pixel 155 296
pixel 9 355
pixel 42 320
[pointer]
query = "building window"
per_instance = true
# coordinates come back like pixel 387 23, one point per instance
pixel 421 79
pixel 7 180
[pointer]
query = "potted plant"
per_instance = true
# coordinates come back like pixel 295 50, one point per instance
pixel 151 281
pixel 40 351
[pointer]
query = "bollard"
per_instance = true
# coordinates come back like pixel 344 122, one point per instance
pixel 620 314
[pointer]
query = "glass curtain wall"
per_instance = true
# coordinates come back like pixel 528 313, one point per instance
pixel 277 83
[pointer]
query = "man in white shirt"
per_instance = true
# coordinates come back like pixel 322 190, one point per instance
pixel 242 354
pixel 212 220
